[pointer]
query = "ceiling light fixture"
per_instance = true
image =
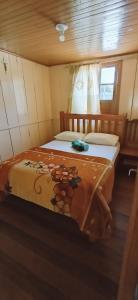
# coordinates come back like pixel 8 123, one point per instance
pixel 61 28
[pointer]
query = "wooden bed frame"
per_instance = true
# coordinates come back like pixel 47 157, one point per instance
pixel 129 151
pixel 101 215
pixel 131 138
pixel 113 124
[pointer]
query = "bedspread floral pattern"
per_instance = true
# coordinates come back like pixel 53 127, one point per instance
pixel 66 179
pixel 65 183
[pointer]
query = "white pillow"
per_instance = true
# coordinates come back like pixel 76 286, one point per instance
pixel 69 136
pixel 101 139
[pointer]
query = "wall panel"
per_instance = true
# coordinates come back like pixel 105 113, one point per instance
pixel 5 145
pixel 60 83
pixel 127 85
pixel 47 93
pixel 25 105
pixel 19 89
pixel 34 135
pixel 45 131
pixel 3 118
pixel 8 90
pixel 135 99
pixel 25 137
pixel 16 140
pixel 30 90
pixel 39 92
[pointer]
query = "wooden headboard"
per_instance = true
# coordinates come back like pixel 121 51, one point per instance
pixel 86 123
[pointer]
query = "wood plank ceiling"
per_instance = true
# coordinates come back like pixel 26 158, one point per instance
pixel 97 28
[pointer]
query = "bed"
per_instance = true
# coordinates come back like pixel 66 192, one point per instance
pixel 78 185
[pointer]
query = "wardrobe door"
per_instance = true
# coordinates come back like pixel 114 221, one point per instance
pixel 8 91
pixel 25 137
pixel 30 90
pixel 5 145
pixel 19 88
pixel 34 135
pixel 3 118
pixel 16 140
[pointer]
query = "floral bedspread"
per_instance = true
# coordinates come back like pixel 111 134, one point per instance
pixel 71 184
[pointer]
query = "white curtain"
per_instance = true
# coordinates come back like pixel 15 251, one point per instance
pixel 85 90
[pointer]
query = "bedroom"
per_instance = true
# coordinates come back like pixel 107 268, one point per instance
pixel 83 79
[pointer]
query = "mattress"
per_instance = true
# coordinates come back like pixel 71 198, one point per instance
pixel 109 152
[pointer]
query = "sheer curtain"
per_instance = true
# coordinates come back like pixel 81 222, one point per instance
pixel 85 90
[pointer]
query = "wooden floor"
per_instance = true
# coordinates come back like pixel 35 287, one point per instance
pixel 43 256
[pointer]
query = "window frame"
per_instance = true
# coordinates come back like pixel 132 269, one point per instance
pixel 104 84
pixel 116 86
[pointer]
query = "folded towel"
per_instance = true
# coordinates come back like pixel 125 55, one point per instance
pixel 80 145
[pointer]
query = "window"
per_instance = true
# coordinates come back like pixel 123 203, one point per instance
pixel 109 87
pixel 107 83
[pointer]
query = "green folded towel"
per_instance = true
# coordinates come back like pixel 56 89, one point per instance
pixel 80 145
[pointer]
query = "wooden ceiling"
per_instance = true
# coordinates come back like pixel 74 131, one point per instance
pixel 97 28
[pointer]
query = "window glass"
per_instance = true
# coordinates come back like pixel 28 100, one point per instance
pixel 106 91
pixel 107 75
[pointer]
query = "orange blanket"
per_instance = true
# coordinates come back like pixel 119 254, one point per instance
pixel 71 184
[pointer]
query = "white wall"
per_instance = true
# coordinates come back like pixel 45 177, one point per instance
pixel 25 105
